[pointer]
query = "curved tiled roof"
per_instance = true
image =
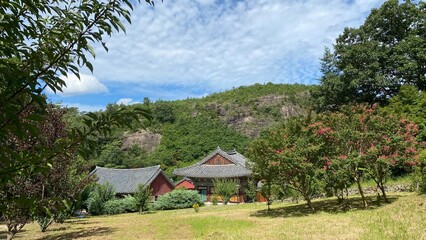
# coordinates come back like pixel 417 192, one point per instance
pixel 127 180
pixel 237 168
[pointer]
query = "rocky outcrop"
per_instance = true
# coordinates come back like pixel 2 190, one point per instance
pixel 144 139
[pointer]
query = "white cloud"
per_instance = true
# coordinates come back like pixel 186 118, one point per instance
pixel 221 44
pixel 87 84
pixel 126 101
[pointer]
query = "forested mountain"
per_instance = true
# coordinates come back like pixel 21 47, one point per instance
pixel 182 132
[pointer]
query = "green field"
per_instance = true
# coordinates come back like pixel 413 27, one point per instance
pixel 403 218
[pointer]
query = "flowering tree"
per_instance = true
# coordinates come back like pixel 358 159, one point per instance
pixel 340 148
pixel 291 156
pixel 368 142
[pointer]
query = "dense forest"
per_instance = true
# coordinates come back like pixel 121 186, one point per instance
pixel 184 131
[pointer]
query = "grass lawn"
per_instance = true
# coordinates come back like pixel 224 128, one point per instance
pixel 403 218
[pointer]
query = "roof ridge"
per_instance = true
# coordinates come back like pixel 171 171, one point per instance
pixel 121 169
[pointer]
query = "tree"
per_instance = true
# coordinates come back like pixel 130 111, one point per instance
pixel 163 112
pixel 225 188
pixel 266 192
pixel 143 197
pixel 335 149
pixel 409 103
pixel 42 41
pixel 53 189
pixel 370 143
pixel 291 156
pixel 371 63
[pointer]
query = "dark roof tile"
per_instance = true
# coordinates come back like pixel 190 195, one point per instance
pixel 127 180
pixel 201 170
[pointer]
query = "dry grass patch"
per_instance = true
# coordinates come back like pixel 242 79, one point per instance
pixel 404 218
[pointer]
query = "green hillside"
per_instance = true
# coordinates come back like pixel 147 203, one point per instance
pixel 182 132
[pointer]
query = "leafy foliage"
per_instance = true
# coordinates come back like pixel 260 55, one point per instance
pixel 410 103
pixel 41 41
pixel 177 199
pixel 98 197
pixel 251 190
pixel 143 198
pixel 340 148
pixel 291 155
pixel 371 63
pixel 419 176
pixel 118 206
pixel 225 188
pixel 49 192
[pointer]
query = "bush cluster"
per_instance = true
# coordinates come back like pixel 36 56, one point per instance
pixel 98 197
pixel 122 205
pixel 177 199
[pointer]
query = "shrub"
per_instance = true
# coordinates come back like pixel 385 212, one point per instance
pixel 251 190
pixel 419 176
pixel 225 188
pixel 129 203
pixel 98 197
pixel 143 198
pixel 117 206
pixel 214 200
pixel 94 204
pixel 177 199
pixel 114 206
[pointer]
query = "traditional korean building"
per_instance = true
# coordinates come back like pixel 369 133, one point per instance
pixel 185 183
pixel 126 181
pixel 218 165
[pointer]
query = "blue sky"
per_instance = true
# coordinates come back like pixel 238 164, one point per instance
pixel 190 48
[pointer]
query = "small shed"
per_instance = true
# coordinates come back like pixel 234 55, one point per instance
pixel 186 183
pixel 126 181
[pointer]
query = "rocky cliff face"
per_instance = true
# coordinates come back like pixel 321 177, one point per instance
pixel 146 140
pixel 261 113
pixel 248 117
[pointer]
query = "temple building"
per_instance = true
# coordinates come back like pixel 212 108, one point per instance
pixel 126 181
pixel 218 165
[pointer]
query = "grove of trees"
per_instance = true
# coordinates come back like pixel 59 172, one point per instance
pixel 368 120
pixel 334 150
pixel 371 63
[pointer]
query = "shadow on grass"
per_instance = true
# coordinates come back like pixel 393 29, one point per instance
pixel 326 205
pixel 81 233
pixel 3 234
pixel 79 221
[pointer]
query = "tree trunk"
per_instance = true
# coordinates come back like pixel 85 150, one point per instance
pixel 361 192
pixel 44 228
pixel 309 202
pixel 13 229
pixel 10 235
pixel 268 202
pixel 347 201
pixel 382 189
pixel 347 192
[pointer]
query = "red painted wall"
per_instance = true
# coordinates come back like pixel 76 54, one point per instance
pixel 186 184
pixel 160 185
